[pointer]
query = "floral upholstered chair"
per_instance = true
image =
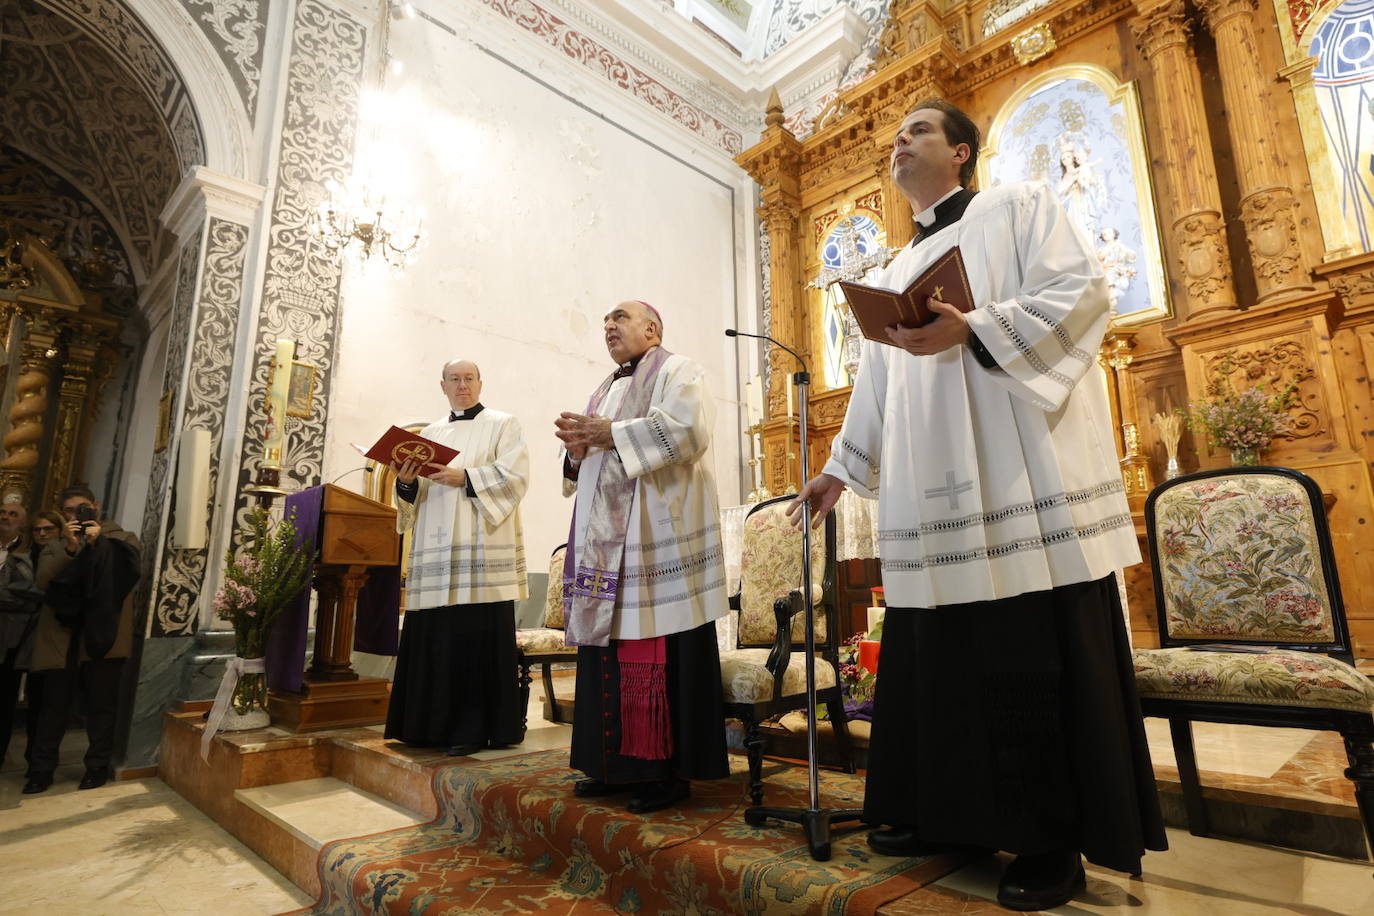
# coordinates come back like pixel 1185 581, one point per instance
pixel 1251 623
pixel 765 675
pixel 545 646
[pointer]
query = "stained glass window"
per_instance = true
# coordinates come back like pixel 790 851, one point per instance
pixel 1344 80
pixel 852 238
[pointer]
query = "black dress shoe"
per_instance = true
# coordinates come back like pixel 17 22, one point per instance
pixel 595 788
pixel 1042 881
pixel 659 795
pixel 95 778
pixel 38 782
pixel 903 841
pixel 463 750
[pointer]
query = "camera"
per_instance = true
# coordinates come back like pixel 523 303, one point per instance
pixel 85 514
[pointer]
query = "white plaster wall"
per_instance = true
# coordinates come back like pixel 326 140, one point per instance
pixel 540 216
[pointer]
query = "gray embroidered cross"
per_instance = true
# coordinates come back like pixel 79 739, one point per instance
pixel 950 489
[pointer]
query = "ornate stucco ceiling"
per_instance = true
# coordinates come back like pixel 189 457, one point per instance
pixel 92 97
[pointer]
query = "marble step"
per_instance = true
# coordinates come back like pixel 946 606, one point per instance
pixel 316 811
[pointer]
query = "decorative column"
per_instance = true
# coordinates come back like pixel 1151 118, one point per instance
pixel 1199 235
pixel 83 342
pixel 30 404
pixel 1267 202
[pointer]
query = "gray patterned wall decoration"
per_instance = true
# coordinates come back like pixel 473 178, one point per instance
pixel 300 297
pixel 111 24
pixel 206 395
pixel 74 106
pixel 46 204
pixel 235 29
pixel 156 508
pixel 791 17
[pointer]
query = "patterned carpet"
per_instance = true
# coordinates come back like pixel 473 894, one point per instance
pixel 512 838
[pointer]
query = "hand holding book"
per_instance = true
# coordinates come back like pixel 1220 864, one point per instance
pixel 401 449
pixel 876 309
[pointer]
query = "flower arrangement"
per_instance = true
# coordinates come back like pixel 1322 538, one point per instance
pixel 1243 421
pixel 263 572
pixel 856 681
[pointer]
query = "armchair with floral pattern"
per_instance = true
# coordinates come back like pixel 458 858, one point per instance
pixel 545 646
pixel 766 674
pixel 1251 624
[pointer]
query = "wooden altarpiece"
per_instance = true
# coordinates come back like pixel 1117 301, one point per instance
pixel 1251 270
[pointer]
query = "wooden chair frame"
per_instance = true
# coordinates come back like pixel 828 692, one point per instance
pixel 780 653
pixel 1356 729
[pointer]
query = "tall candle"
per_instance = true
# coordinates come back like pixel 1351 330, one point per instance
pixel 789 399
pixel 279 386
pixel 749 417
pixel 757 395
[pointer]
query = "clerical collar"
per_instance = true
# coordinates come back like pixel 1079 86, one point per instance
pixel 628 368
pixel 468 414
pixel 946 211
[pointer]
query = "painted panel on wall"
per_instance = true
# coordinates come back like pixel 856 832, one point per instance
pixel 1071 134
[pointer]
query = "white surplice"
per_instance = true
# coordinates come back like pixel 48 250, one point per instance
pixel 673 575
pixel 993 483
pixel 465 549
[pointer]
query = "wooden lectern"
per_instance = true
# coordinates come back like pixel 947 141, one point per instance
pixel 355 533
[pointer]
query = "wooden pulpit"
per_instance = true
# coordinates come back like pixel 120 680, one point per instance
pixel 355 534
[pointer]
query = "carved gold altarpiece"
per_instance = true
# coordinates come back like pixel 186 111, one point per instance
pixel 61 349
pixel 1248 270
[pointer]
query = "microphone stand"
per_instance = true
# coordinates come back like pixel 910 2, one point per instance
pixel 814 820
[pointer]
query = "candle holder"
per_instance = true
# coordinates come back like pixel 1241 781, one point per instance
pixel 267 486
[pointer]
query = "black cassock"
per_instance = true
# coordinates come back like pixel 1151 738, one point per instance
pixel 456 677
pixel 694 702
pixel 1015 725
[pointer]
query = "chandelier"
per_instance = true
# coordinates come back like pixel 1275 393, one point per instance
pixel 360 223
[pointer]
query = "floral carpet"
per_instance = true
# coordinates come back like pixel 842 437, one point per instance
pixel 512 838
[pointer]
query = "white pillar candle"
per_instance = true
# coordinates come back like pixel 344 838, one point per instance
pixel 749 417
pixel 875 617
pixel 279 384
pixel 757 395
pixel 788 384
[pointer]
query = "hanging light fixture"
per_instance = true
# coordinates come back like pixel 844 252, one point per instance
pixel 355 221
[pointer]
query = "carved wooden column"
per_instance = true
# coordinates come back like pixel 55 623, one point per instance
pixel 72 395
pixel 1199 235
pixel 30 405
pixel 1267 202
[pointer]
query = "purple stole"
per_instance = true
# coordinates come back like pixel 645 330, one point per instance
pixel 591 583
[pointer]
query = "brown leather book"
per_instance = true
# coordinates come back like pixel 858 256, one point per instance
pixel 876 308
pixel 399 445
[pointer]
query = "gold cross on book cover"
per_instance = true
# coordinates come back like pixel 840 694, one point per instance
pixel 876 308
pixel 399 446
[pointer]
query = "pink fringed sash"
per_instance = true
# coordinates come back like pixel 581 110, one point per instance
pixel 645 723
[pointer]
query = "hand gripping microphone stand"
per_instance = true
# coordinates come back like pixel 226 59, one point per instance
pixel 814 819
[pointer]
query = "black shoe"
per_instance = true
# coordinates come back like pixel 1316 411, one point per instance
pixel 38 782
pixel 463 750
pixel 595 788
pixel 903 841
pixel 659 795
pixel 95 778
pixel 1041 882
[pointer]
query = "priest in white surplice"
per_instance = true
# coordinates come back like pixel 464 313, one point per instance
pixel 1006 715
pixel 644 578
pixel 456 685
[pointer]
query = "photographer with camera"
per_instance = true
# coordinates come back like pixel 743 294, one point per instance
pixel 85 632
pixel 19 602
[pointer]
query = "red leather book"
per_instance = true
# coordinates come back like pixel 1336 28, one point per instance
pixel 399 445
pixel 876 308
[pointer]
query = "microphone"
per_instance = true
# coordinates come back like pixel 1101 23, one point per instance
pixel 731 332
pixel 364 468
